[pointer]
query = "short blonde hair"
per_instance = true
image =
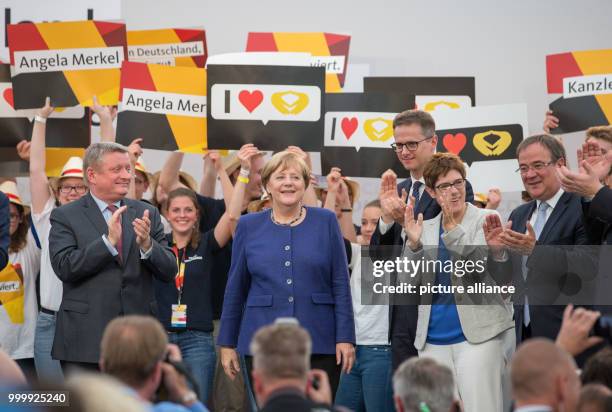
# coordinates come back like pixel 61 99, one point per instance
pixel 599 132
pixel 284 160
pixel 440 164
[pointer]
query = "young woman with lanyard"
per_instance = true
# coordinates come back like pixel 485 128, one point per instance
pixel 185 305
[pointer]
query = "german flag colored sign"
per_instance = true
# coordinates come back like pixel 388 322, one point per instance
pixel 172 47
pixel 328 50
pixel 69 61
pixel 164 105
pixel 580 87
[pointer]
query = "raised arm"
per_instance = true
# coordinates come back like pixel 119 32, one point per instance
pixel 106 114
pixel 39 184
pixel 226 185
pixel 209 177
pixel 169 176
pixel 337 192
pixel 246 154
pixel 135 151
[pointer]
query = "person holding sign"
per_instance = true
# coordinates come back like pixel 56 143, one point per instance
pixel 185 305
pixel 468 338
pixel 289 261
pixel 106 249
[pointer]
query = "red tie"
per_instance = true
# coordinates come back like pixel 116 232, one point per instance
pixel 119 245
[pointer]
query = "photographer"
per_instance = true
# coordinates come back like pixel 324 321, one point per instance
pixel 282 378
pixel 135 350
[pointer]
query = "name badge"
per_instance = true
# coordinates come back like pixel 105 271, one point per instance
pixel 179 316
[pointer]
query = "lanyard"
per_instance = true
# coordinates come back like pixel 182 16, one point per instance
pixel 179 279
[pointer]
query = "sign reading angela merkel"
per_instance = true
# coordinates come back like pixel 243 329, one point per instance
pixel 328 50
pixel 172 47
pixel 69 61
pixel 580 86
pixel 164 105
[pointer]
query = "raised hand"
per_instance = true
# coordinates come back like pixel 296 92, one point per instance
pixel 301 154
pixel 493 198
pixel 142 228
pixel 412 227
pixel 23 150
pixel 448 220
pixel 246 154
pixel 392 205
pixel 114 226
pixel 47 109
pixel 521 243
pixel 103 112
pixel 135 150
pixel 550 122
pixel 333 180
pixel 493 229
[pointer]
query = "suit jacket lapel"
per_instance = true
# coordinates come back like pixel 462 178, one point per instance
pixel 521 224
pixel 554 216
pixel 424 203
pixel 127 230
pixel 94 214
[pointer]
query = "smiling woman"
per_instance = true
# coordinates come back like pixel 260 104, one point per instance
pixel 289 261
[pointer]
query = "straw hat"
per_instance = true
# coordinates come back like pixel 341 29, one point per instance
pixel 9 188
pixel 481 198
pixel 353 188
pixel 141 167
pixel 72 168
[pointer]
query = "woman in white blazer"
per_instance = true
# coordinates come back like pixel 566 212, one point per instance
pixel 467 332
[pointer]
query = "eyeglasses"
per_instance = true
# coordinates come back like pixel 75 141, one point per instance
pixel 80 189
pixel 457 184
pixel 14 216
pixel 411 146
pixel 537 167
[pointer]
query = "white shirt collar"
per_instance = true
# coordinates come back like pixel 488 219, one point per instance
pixel 552 202
pixel 534 408
pixel 102 205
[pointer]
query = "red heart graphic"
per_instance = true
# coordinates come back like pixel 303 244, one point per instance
pixel 349 125
pixel 454 143
pixel 250 100
pixel 8 96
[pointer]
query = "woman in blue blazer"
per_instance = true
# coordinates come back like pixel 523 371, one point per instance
pixel 289 261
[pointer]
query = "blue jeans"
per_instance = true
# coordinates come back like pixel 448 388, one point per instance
pixel 47 368
pixel 368 386
pixel 199 355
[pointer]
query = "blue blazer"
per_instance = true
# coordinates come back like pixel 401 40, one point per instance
pixel 5 223
pixel 280 271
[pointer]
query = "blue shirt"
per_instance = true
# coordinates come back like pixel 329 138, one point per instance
pixel 444 324
pixel 176 407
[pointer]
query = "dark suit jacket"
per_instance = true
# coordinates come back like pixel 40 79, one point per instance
pixel 97 286
pixel 551 265
pixel 598 217
pixel 5 223
pixel 403 318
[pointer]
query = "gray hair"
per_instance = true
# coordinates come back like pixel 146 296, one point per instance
pixel 96 152
pixel 554 146
pixel 423 380
pixel 282 351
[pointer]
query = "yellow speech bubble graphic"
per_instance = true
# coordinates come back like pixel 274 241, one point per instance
pixel 492 142
pixel 11 293
pixel 431 106
pixel 290 102
pixel 378 129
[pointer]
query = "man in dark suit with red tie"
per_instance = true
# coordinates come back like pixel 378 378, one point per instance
pixel 414 133
pixel 105 249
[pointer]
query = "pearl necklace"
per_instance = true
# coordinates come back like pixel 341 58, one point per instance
pixel 289 223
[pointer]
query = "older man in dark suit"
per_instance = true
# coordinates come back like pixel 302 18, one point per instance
pixel 415 143
pixel 4 229
pixel 541 235
pixel 105 249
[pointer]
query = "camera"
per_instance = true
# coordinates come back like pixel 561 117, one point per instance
pixel 184 371
pixel 603 328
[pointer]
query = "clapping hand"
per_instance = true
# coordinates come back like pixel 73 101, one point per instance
pixel 142 228
pixel 412 227
pixel 393 206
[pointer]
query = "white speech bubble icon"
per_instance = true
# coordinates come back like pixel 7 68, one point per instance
pixel 265 102
pixel 359 129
